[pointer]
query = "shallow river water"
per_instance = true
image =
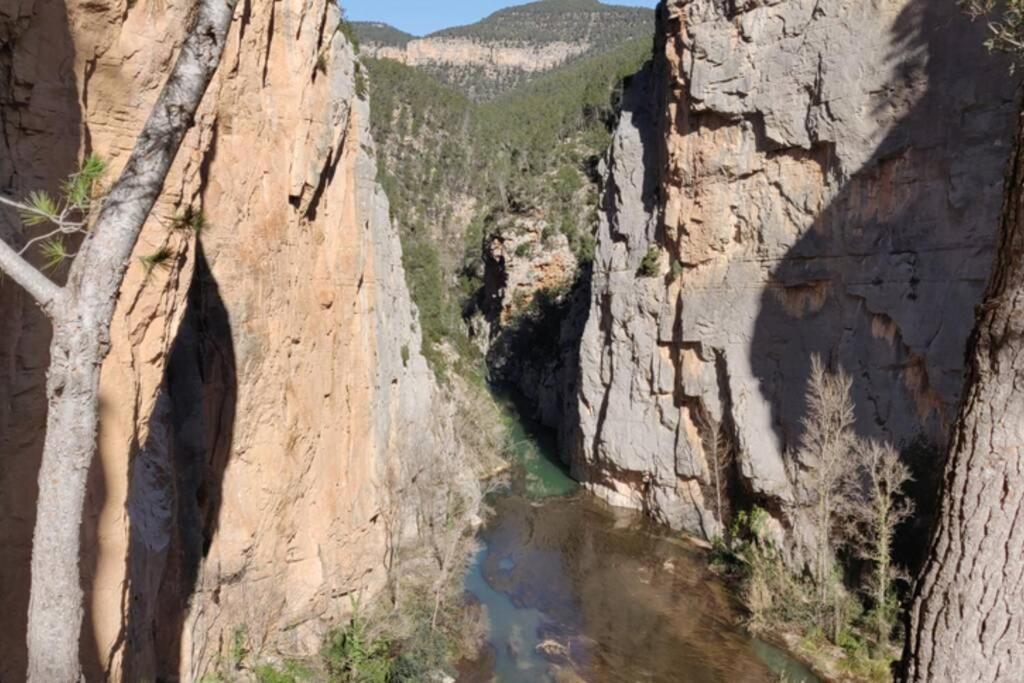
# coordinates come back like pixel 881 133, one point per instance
pixel 577 591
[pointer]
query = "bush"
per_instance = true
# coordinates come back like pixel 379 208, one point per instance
pixel 650 266
pixel 1005 22
pixel 290 672
pixel 855 500
pixel 352 656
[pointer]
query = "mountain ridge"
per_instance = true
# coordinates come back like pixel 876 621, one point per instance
pixel 511 46
pixel 367 26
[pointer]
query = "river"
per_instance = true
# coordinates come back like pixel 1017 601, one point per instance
pixel 577 591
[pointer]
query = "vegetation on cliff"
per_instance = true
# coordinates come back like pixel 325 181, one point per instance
pixel 382 34
pixel 842 614
pixel 600 26
pixel 453 169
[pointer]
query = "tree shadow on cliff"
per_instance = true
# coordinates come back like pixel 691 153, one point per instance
pixel 176 482
pixel 884 282
pixel 40 140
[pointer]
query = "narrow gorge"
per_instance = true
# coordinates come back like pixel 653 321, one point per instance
pixel 519 350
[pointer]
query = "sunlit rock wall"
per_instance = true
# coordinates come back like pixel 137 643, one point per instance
pixel 265 385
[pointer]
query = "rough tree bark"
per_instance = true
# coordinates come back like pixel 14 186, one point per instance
pixel 81 314
pixel 967 620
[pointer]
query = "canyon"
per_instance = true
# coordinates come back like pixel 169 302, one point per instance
pixel 354 246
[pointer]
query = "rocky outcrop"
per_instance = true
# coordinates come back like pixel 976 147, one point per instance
pixel 523 257
pixel 531 307
pixel 496 59
pixel 480 68
pixel 803 177
pixel 264 402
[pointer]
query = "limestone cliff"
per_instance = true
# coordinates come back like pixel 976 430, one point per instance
pixel 495 60
pixel 789 178
pixel 265 400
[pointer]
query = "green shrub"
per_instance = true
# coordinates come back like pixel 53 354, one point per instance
pixel 524 250
pixel 290 672
pixel 352 656
pixel 650 265
pixel 361 88
pixel 346 29
pixel 676 269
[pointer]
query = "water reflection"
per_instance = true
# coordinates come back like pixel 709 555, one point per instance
pixel 577 591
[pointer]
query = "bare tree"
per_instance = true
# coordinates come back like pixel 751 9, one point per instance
pixel 719 455
pixel 826 450
pixel 81 313
pixel 876 508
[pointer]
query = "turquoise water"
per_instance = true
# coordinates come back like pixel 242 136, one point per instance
pixel 576 591
pixel 537 471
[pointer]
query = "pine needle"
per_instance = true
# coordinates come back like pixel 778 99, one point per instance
pixel 159 258
pixel 54 253
pixel 41 207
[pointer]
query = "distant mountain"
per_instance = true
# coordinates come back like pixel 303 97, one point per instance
pixel 512 46
pixel 569 21
pixel 380 33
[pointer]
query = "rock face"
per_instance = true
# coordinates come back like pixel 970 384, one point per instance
pixel 812 177
pixel 496 60
pixel 531 306
pixel 521 260
pixel 481 68
pixel 265 397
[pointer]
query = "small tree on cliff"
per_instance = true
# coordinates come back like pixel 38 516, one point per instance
pixel 877 506
pixel 81 313
pixel 827 451
pixel 719 455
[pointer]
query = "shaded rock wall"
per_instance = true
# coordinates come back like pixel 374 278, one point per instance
pixel 814 177
pixel 530 313
pixel 265 385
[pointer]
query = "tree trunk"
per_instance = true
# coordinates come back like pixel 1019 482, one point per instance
pixel 967 621
pixel 55 605
pixel 81 314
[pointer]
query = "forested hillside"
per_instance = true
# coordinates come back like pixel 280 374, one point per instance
pixel 537 23
pixel 513 46
pixel 456 170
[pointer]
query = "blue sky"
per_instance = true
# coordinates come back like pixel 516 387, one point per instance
pixel 420 17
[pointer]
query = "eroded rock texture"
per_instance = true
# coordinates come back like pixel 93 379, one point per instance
pixel 813 177
pixel 265 387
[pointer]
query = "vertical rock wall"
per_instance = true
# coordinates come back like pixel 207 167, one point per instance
pixel 812 177
pixel 265 381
